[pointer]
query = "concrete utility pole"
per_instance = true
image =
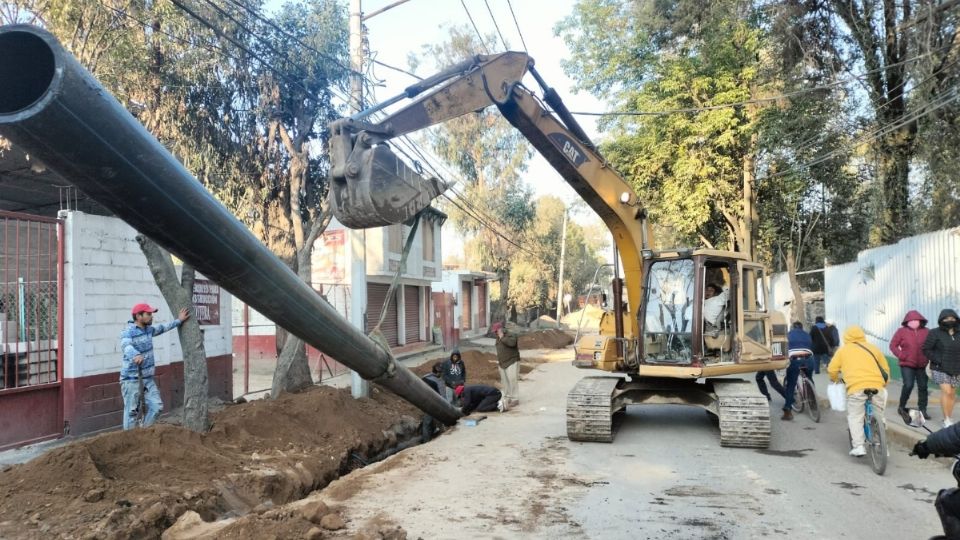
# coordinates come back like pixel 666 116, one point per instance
pixel 357 237
pixel 563 251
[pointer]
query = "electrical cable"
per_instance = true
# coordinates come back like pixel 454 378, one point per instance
pixel 515 23
pixel 469 16
pixel 497 26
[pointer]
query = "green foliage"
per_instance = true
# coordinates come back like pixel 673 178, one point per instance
pixel 687 167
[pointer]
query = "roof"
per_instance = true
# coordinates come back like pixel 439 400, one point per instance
pixel 28 186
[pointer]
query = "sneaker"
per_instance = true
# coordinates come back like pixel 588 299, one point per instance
pixel 500 406
pixel 858 451
pixel 787 415
pixel 947 422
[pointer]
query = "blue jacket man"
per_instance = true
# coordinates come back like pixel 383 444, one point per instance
pixel 799 347
pixel 136 342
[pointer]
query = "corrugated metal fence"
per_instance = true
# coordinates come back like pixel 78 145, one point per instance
pixel 921 272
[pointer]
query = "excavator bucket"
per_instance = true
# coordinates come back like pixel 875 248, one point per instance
pixel 377 189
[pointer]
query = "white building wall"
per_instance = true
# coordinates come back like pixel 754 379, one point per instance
pixel 878 289
pixel 105 275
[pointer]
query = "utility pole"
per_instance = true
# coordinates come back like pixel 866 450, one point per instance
pixel 357 237
pixel 563 251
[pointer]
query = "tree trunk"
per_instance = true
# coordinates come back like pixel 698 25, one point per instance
pixel 751 219
pixel 798 309
pixel 179 295
pixel 293 367
pixel 894 173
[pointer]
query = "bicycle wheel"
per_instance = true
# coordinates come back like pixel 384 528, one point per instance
pixel 877 446
pixel 813 406
pixel 799 399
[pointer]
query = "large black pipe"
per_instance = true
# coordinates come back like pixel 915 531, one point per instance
pixel 51 107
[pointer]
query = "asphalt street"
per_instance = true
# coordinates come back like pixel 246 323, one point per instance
pixel 665 476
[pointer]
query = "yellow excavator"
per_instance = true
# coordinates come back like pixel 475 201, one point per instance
pixel 692 318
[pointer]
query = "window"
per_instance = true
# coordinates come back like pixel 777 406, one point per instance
pixel 669 312
pixel 395 238
pixel 754 303
pixel 428 247
pixel 753 290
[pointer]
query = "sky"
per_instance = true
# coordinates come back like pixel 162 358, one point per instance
pixel 406 28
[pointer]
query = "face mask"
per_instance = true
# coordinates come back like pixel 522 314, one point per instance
pixel 950 324
pixel 913 324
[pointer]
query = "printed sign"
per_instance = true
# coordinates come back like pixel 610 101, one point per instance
pixel 206 302
pixel 329 261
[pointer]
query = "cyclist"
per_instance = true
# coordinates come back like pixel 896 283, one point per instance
pixel 864 367
pixel 799 347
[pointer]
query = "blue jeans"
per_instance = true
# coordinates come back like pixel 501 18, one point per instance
pixel 772 377
pixel 131 396
pixel 819 359
pixel 793 374
pixel 911 377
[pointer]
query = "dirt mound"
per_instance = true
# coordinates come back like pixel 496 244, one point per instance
pixel 135 484
pixel 588 319
pixel 482 367
pixel 545 339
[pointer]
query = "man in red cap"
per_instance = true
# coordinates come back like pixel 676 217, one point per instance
pixel 136 342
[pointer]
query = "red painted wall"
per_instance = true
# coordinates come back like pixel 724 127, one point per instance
pixel 94 403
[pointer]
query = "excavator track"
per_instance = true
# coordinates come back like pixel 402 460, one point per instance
pixel 744 414
pixel 590 409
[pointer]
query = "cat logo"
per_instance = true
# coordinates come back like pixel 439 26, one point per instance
pixel 570 149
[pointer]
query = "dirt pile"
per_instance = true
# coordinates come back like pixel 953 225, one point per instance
pixel 588 319
pixel 261 454
pixel 482 367
pixel 545 339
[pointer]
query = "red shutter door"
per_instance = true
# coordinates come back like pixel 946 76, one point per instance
pixel 411 312
pixel 376 294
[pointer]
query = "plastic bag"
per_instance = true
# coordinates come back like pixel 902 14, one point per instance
pixel 837 392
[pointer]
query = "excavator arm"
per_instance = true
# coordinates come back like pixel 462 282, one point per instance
pixel 370 187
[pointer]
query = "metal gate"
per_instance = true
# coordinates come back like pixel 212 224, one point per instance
pixel 411 313
pixel 376 294
pixel 31 328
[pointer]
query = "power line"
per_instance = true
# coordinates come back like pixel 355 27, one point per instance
pixel 276 27
pixel 482 42
pixel 394 68
pixel 754 101
pixel 497 26
pixel 515 23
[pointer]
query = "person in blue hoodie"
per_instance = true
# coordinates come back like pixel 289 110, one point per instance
pixel 136 343
pixel 799 349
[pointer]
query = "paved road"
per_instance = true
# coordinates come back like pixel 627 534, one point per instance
pixel 516 475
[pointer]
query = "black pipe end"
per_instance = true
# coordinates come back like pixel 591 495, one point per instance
pixel 27 67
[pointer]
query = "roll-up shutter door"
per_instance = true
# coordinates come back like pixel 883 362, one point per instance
pixel 376 294
pixel 411 312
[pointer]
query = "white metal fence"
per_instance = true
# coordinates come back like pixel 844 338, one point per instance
pixel 921 272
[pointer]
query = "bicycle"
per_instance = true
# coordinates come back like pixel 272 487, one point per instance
pixel 805 396
pixel 875 435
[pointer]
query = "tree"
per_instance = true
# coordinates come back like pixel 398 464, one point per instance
pixel 141 53
pixel 490 156
pixel 696 169
pixel 179 294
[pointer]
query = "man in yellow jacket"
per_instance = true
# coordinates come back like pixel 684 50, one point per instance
pixel 864 367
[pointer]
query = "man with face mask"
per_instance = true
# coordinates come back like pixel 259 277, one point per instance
pixel 942 347
pixel 905 345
